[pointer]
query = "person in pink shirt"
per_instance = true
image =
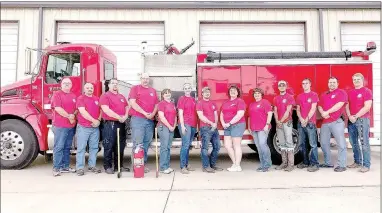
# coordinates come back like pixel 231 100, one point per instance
pixel 115 111
pixel 233 122
pixel 89 119
pixel 331 106
pixel 358 112
pixel 144 105
pixel 283 105
pixel 208 116
pixel 166 126
pixel 187 125
pixel 259 124
pixel 63 126
pixel 307 130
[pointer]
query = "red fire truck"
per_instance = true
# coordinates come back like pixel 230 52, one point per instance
pixel 26 109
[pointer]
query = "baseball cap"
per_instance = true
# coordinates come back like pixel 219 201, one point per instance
pixel 282 82
pixel 206 88
pixel 145 75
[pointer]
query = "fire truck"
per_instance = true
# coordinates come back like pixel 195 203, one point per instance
pixel 26 112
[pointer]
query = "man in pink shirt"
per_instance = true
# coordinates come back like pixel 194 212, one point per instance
pixel 358 112
pixel 307 130
pixel 63 126
pixel 89 119
pixel 115 111
pixel 144 106
pixel 208 116
pixel 283 104
pixel 331 106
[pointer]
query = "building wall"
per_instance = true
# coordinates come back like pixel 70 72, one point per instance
pixel 28 33
pixel 333 18
pixel 182 25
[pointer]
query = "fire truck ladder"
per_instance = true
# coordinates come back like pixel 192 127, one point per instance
pixel 212 56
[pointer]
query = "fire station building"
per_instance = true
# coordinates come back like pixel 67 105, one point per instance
pixel 215 26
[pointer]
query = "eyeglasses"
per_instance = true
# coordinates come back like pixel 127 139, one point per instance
pixel 282 85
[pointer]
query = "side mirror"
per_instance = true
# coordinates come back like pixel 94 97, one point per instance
pixel 28 61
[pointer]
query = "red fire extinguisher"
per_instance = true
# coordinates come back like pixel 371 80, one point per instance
pixel 139 162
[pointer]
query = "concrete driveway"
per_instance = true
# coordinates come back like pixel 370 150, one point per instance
pixel 34 189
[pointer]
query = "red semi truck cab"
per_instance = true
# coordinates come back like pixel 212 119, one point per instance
pixel 26 105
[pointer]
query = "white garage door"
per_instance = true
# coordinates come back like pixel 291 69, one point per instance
pixel 354 36
pixel 123 39
pixel 252 37
pixel 9 44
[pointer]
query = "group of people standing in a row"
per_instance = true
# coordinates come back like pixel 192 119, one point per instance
pixel 83 115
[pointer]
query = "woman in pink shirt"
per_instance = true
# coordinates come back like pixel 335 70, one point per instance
pixel 233 122
pixel 166 126
pixel 259 124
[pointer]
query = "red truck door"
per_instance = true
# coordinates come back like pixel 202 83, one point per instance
pixel 55 67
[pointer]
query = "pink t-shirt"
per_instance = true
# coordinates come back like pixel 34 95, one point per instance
pixel 146 98
pixel 188 105
pixel 67 101
pixel 91 105
pixel 305 101
pixel 282 102
pixel 115 102
pixel 357 98
pixel 230 109
pixel 169 110
pixel 329 99
pixel 258 113
pixel 208 108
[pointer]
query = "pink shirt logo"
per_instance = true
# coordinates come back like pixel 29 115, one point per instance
pixel 96 102
pixel 359 95
pixel 333 96
pixel 309 100
pixel 284 101
pixel 122 100
pixel 74 100
pixel 151 94
pixel 258 106
pixel 213 107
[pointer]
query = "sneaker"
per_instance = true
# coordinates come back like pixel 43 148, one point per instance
pixel 171 169
pixel 340 169
pixel 364 169
pixel 184 171
pixel 238 169
pixel 216 168
pixel 208 170
pixel 56 172
pixel 302 166
pixel 189 168
pixel 260 169
pixel 67 170
pixel 123 169
pixel 109 171
pixel 80 172
pixel 94 170
pixel 166 171
pixel 326 165
pixel 232 168
pixel 313 168
pixel 354 165
pixel 147 170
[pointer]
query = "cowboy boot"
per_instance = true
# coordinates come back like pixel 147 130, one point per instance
pixel 290 166
pixel 284 160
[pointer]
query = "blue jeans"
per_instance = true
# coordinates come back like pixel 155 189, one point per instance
pixel 207 137
pixel 63 139
pixel 85 135
pixel 308 138
pixel 186 143
pixel 261 138
pixel 360 129
pixel 110 146
pixel 166 137
pixel 337 129
pixel 142 131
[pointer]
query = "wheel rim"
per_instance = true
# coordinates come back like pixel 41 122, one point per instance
pixel 276 143
pixel 11 146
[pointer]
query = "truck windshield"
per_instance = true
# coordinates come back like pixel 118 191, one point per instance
pixel 61 65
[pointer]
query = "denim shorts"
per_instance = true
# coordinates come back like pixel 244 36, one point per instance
pixel 236 130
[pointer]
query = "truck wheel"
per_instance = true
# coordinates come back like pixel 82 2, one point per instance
pixel 18 147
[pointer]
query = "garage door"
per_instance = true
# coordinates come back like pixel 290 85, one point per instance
pixel 252 37
pixel 9 44
pixel 354 36
pixel 123 39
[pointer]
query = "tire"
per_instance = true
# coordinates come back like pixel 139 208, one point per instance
pixel 27 147
pixel 275 152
